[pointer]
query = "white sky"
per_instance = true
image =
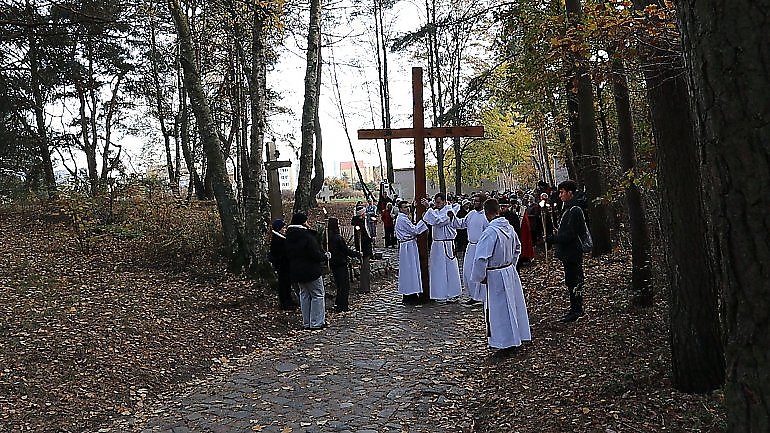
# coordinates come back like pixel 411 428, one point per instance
pixel 288 79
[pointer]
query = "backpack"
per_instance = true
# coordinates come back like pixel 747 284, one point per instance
pixel 586 243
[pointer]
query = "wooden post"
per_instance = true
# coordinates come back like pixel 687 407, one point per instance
pixel 419 132
pixel 273 181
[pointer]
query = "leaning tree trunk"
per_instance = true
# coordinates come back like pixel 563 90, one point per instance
pixel 728 59
pixel 697 357
pixel 303 194
pixel 317 182
pixel 229 214
pixel 641 266
pixel 589 161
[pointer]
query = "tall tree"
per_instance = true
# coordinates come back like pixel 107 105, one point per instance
pixel 590 164
pixel 641 262
pixel 697 357
pixel 728 59
pixel 229 213
pixel 303 195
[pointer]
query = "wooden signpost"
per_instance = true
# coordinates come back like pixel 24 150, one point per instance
pixel 419 132
pixel 273 181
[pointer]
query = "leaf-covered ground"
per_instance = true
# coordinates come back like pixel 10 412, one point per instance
pixel 89 337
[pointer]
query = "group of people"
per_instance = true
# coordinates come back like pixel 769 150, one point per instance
pixel 493 249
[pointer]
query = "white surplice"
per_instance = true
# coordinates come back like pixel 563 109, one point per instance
pixel 475 223
pixel 506 310
pixel 409 276
pixel 443 268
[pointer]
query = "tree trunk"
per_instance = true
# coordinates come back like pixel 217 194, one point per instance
pixel 641 266
pixel 593 178
pixel 317 183
pixel 574 130
pixel 173 178
pixel 303 193
pixel 697 357
pixel 49 181
pixel 195 183
pixel 727 57
pixel 89 147
pixel 382 67
pixel 256 210
pixel 232 226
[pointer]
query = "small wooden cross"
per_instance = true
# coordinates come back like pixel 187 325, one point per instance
pixel 418 132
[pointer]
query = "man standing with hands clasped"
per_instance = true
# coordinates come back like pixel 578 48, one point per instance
pixel 475 222
pixel 494 263
pixel 443 268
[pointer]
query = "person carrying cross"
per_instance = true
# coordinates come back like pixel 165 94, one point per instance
pixel 443 268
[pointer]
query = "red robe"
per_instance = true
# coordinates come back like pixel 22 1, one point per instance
pixel 527 248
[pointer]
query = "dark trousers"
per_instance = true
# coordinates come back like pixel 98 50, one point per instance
pixel 390 236
pixel 342 281
pixel 573 278
pixel 284 290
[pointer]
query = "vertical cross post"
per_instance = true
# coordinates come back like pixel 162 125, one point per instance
pixel 419 132
pixel 418 119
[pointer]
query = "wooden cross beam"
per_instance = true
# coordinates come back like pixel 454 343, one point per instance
pixel 419 132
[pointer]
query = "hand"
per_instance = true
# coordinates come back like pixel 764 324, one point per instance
pixel 328 255
pixel 425 202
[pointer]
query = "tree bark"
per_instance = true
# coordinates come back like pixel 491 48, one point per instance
pixel 382 67
pixel 173 177
pixel 232 226
pixel 641 266
pixel 49 181
pixel 317 182
pixel 697 358
pixel 593 177
pixel 727 55
pixel 303 193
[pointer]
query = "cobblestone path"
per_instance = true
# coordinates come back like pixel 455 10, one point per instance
pixel 382 367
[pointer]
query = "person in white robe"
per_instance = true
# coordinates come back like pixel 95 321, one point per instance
pixel 474 222
pixel 409 275
pixel 497 251
pixel 443 268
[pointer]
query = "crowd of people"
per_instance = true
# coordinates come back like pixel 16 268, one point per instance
pixel 496 233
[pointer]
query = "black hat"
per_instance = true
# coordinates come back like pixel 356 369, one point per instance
pixel 298 218
pixel 278 224
pixel 504 201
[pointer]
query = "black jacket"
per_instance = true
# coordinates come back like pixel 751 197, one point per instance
pixel 278 256
pixel 362 237
pixel 571 226
pixel 340 251
pixel 305 254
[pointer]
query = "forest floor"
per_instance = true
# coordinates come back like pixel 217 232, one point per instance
pixel 90 337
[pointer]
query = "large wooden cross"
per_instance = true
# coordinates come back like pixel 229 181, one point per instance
pixel 419 132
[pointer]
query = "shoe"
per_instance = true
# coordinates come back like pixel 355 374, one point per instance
pixel 471 303
pixel 571 317
pixel 340 309
pixel 316 328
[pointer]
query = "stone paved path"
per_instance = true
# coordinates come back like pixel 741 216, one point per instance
pixel 383 367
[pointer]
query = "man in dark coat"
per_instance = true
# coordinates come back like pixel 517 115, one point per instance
pixel 280 261
pixel 568 247
pixel 364 244
pixel 305 259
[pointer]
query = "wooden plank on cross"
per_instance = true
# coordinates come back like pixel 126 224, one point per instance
pixel 418 132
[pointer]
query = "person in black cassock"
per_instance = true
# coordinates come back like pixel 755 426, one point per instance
pixel 280 261
pixel 339 263
pixel 364 244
